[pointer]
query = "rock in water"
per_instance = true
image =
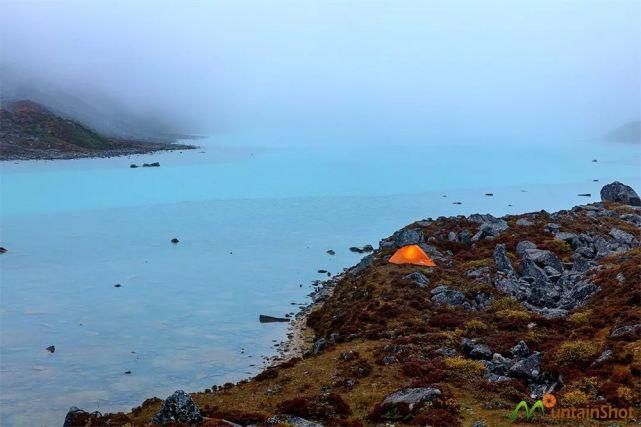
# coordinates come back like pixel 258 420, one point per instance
pixel 263 318
pixel 3 250
pixel 51 349
pixel 620 193
pixel 178 408
pixel 175 241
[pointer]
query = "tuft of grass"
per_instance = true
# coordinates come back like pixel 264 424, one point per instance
pixel 513 314
pixel 475 326
pixel 464 367
pixel 575 398
pixel 576 352
pixel 506 303
pixel 580 318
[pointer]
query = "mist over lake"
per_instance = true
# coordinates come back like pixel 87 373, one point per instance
pixel 317 126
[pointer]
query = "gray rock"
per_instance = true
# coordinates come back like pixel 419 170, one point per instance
pixel 552 227
pixel 389 360
pixel 452 237
pixel 465 237
pixel 418 278
pixel 319 344
pixel 539 389
pixel 524 222
pixel 403 238
pixel 362 265
pixel 552 273
pixel 490 229
pixel 620 193
pixel 500 364
pixel 480 352
pixel 178 408
pixel 442 295
pixel 292 421
pixel 520 350
pixel 604 357
pixel 581 264
pixel 544 258
pixel 632 219
pixel 626 330
pixel 530 269
pixel 503 263
pixel 482 301
pixel 434 253
pixel 565 236
pixel 412 396
pixel 623 237
pixel 481 218
pixel 495 378
pixel 620 278
pixel 524 245
pixel 481 273
pixel 447 352
pixel 77 417
pixel 528 368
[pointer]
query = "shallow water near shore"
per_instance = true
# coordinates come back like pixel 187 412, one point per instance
pixel 254 227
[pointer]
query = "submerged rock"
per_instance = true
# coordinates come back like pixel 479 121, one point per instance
pixel 178 408
pixel 263 318
pixel 620 193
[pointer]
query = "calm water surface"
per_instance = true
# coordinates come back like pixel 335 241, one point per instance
pixel 253 224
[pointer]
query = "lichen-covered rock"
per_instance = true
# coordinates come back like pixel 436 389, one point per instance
pixel 502 261
pixel 178 408
pixel 411 396
pixel 620 193
pixel 528 368
pixel 417 278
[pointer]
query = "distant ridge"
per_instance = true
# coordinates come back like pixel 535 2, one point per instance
pixel 28 130
pixel 629 132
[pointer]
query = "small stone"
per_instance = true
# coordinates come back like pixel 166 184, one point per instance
pixel 51 349
pixel 174 240
pixel 3 250
pixel 331 252
pixel 127 372
pixel 117 285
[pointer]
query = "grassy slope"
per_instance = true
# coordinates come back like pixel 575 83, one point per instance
pixel 391 317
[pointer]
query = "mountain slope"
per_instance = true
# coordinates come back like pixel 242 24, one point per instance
pixel 30 131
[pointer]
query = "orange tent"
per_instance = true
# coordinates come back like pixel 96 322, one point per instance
pixel 411 254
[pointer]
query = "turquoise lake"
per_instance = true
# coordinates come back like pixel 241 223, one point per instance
pixel 254 220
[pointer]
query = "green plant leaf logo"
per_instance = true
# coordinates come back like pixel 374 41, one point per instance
pixel 529 412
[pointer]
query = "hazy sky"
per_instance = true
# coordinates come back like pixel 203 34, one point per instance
pixel 472 68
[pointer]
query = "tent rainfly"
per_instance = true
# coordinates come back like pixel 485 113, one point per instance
pixel 412 254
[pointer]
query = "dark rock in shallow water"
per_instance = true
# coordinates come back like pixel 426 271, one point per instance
pixel 263 318
pixel 77 417
pixel 175 241
pixel 178 408
pixel 51 349
pixel 151 165
pixel 584 195
pixel 133 166
pixel 3 250
pixel 620 193
pixel 330 252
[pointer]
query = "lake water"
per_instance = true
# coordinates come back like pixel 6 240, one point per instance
pixel 253 223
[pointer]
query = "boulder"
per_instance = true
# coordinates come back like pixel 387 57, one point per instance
pixel 442 295
pixel 77 417
pixel 623 237
pixel 290 420
pixel 620 193
pixel 520 350
pixel 530 269
pixel 411 396
pixel 417 278
pixel 178 408
pixel 503 263
pixel 524 245
pixel 480 352
pixel 629 330
pixel 524 222
pixel 544 258
pixel 263 318
pixel 490 229
pixel 528 368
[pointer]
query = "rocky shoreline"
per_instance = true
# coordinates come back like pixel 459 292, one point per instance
pixel 13 152
pixel 516 308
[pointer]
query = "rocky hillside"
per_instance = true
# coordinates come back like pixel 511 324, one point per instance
pixel 516 308
pixel 30 131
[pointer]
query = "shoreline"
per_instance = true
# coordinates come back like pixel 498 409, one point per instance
pixel 466 330
pixel 17 153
